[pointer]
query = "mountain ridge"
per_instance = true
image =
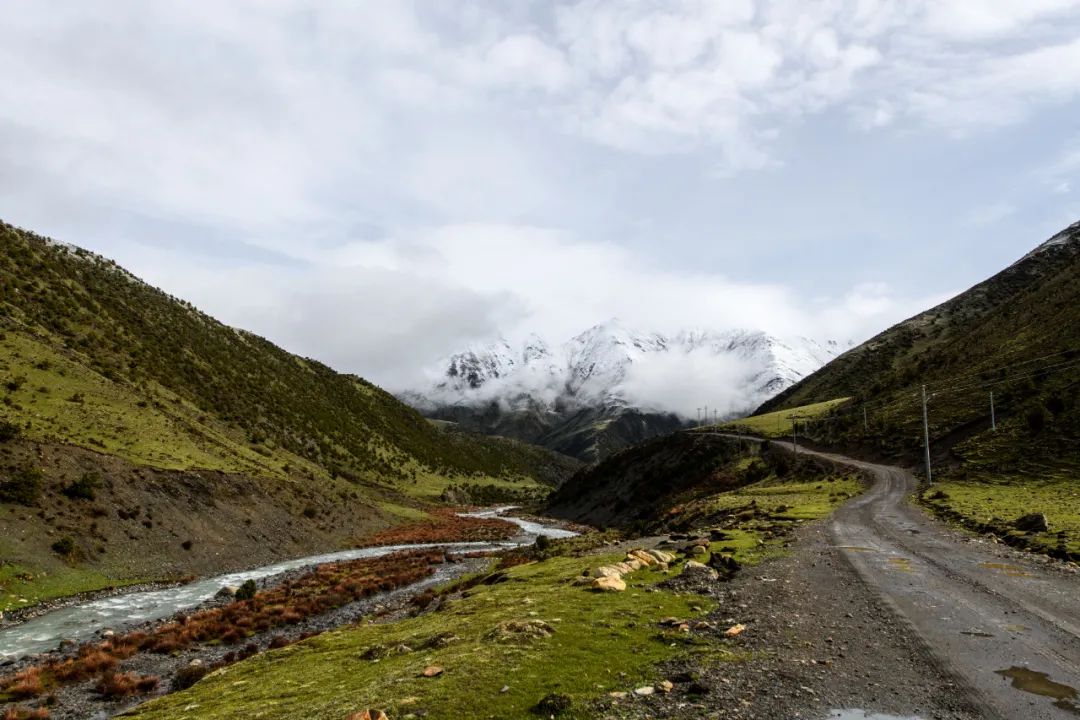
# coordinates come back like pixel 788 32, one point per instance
pixel 614 374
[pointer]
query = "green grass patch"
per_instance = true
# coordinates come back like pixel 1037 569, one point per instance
pixel 1002 500
pixel 427 485
pixel 601 642
pixel 778 424
pixel 23 586
pixel 62 400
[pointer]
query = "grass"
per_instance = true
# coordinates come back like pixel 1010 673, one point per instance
pixel 60 399
pixel 778 424
pixel 23 586
pixel 427 485
pixel 996 503
pixel 792 501
pixel 601 642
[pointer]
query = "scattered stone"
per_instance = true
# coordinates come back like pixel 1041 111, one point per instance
pixel 504 689
pixel 734 630
pixel 609 584
pixel 432 671
pixel 368 715
pixel 641 556
pixel 512 630
pixel 618 694
pixel 661 556
pixel 693 568
pixel 1034 522
pixel 645 691
pixel 665 686
pixel 440 640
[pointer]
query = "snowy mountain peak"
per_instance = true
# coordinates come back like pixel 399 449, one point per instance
pixel 613 365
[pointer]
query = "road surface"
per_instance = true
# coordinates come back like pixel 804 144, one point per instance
pixel 1008 627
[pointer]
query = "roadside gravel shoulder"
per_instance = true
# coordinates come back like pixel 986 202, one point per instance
pixel 817 640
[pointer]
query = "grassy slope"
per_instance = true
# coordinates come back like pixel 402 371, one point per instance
pixel 90 357
pixel 639 487
pixel 602 643
pixel 1017 334
pixel 778 424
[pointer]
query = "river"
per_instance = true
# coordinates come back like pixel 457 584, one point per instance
pixel 78 622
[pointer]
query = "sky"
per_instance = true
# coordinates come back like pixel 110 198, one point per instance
pixel 378 184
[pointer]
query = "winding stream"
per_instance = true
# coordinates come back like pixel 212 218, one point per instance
pixel 116 612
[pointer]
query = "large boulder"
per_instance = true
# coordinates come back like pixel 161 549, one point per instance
pixel 642 557
pixel 1033 522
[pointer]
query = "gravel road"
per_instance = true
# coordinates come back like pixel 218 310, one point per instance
pixel 1005 623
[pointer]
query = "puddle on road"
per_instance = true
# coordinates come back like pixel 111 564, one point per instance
pixel 865 715
pixel 1010 570
pixel 902 564
pixel 1039 683
pixel 976 633
pixel 1016 628
pixel 856 548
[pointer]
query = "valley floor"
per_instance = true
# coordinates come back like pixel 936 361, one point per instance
pixel 878 609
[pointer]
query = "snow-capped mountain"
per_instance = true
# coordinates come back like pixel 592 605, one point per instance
pixel 646 381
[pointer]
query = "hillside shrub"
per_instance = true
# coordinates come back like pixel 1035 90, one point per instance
pixel 1036 420
pixel 247 590
pixel 64 546
pixel 8 431
pixel 84 487
pixel 23 487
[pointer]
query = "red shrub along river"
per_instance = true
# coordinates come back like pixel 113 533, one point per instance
pixel 116 612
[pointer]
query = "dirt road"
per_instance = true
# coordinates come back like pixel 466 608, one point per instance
pixel 1007 626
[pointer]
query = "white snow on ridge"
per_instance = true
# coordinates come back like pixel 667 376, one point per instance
pixel 612 364
pixel 1069 234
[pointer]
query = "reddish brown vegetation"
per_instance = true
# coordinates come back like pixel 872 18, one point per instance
pixel 444 526
pixel 120 685
pixel 16 713
pixel 323 589
pixel 25 684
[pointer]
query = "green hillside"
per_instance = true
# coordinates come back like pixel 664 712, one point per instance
pixel 1016 335
pixel 108 371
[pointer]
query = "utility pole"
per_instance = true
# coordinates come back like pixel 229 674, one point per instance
pixel 699 417
pixel 993 417
pixel 706 414
pixel 926 438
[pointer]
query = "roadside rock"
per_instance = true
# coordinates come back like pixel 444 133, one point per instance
pixel 692 568
pixel 1033 522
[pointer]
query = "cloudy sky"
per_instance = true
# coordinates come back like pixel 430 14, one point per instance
pixel 376 184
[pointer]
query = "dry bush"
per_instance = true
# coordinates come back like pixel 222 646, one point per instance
pixel 24 684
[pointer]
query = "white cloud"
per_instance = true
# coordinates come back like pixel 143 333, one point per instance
pixel 680 382
pixel 430 174
pixel 388 309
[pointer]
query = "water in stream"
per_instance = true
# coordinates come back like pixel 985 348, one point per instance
pixel 79 622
